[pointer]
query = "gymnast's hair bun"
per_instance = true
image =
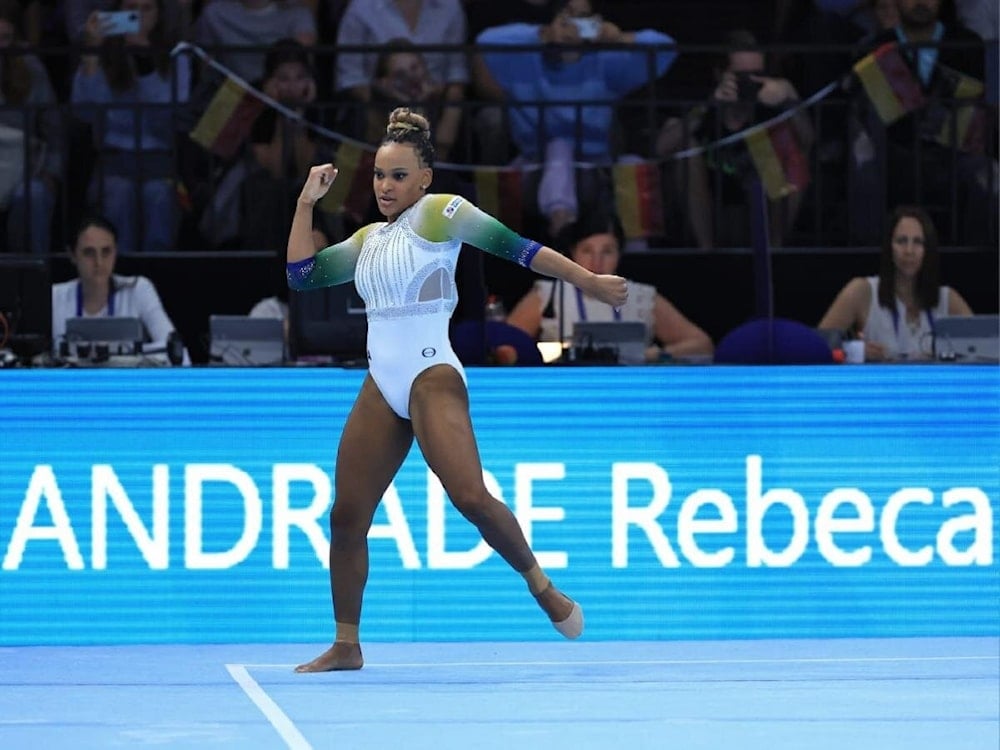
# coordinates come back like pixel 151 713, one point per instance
pixel 402 120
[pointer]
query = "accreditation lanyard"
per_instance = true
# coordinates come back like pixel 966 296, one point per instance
pixel 79 301
pixel 581 310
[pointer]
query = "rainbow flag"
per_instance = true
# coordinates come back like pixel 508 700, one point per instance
pixel 227 120
pixel 498 193
pixel 890 83
pixel 639 198
pixel 352 190
pixel 779 159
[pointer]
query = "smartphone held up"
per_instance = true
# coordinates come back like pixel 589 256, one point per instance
pixel 119 22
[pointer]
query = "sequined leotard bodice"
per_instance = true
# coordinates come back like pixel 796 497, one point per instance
pixel 405 273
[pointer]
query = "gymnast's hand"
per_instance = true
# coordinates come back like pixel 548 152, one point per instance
pixel 318 183
pixel 608 288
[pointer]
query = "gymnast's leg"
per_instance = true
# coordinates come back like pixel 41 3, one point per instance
pixel 373 446
pixel 439 410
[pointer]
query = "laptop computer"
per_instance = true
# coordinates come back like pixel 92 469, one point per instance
pixel 974 338
pixel 113 331
pixel 240 340
pixel 612 341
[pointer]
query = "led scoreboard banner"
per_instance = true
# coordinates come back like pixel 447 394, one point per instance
pixel 190 505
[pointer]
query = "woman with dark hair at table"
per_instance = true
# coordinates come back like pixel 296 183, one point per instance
pixel 894 312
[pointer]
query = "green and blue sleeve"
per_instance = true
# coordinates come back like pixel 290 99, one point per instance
pixel 330 266
pixel 445 217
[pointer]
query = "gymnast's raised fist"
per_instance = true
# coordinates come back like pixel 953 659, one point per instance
pixel 318 182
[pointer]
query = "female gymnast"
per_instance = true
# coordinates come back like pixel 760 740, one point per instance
pixel 404 269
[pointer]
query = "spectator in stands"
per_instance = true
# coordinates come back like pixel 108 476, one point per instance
pixel 252 23
pixel 919 167
pixel 134 85
pixel 884 14
pixel 744 95
pixel 894 312
pixel 422 22
pixel 551 308
pixel 177 14
pixel 36 132
pixel 282 148
pixel 562 73
pixel 402 79
pixel 98 291
pixel 492 144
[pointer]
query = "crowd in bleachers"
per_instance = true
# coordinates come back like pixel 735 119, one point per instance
pixel 93 119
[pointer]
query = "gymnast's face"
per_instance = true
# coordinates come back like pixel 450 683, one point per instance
pixel 94 255
pixel 399 180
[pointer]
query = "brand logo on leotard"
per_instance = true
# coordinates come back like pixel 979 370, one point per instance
pixel 452 206
pixel 429 352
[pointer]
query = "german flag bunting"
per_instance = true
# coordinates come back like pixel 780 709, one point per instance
pixel 639 198
pixel 890 83
pixel 227 120
pixel 352 190
pixel 781 164
pixel 966 127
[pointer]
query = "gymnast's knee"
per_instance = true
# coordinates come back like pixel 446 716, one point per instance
pixel 472 502
pixel 346 521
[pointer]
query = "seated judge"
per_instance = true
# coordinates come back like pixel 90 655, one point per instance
pixel 894 312
pixel 550 309
pixel 98 291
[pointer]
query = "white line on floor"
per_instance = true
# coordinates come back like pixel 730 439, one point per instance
pixel 278 719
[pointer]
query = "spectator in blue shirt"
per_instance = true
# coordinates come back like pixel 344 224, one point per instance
pixel 563 74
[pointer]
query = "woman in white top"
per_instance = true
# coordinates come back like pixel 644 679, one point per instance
pixel 549 311
pixel 99 292
pixel 895 311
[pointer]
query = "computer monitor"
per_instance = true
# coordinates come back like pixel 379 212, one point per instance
pixel 970 338
pixel 25 305
pixel 328 324
pixel 612 341
pixel 243 340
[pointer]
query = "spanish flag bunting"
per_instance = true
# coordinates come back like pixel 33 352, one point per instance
pixel 890 83
pixel 352 190
pixel 227 119
pixel 639 198
pixel 498 192
pixel 780 162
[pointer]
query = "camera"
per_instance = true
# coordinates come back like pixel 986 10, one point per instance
pixel 747 88
pixel 588 27
pixel 118 22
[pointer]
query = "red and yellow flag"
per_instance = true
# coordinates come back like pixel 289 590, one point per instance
pixel 352 190
pixel 227 119
pixel 890 83
pixel 498 192
pixel 782 165
pixel 639 198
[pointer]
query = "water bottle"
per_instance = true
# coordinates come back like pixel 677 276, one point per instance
pixel 495 309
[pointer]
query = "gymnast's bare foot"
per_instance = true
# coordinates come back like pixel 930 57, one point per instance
pixel 565 614
pixel 339 657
